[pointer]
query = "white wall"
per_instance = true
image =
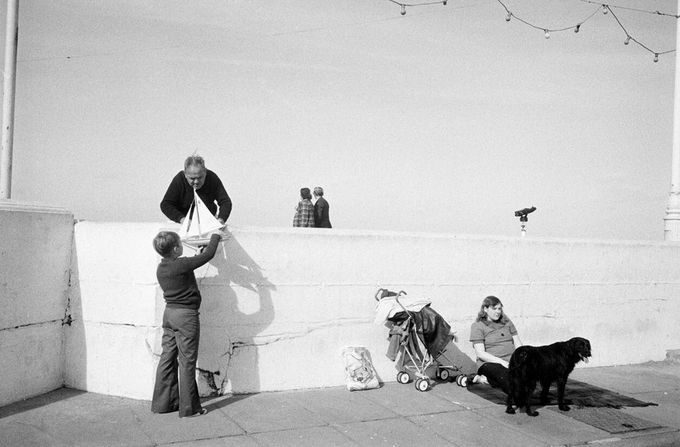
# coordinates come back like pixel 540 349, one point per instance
pixel 35 257
pixel 279 304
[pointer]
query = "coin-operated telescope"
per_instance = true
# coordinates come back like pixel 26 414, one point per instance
pixel 523 219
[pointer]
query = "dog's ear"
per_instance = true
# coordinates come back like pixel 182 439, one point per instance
pixel 572 346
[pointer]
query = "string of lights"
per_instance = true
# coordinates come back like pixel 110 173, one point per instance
pixel 404 5
pixel 659 13
pixel 604 7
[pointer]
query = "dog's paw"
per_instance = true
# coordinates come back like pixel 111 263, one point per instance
pixel 532 413
pixel 564 407
pixel 510 410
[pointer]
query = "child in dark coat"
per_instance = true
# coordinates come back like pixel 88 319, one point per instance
pixel 181 326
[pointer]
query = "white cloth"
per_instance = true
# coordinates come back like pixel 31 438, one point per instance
pixel 388 306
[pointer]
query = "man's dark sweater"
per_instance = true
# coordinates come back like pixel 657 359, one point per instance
pixel 176 277
pixel 179 196
pixel 321 208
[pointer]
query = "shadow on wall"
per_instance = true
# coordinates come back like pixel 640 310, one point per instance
pixel 75 346
pixel 236 307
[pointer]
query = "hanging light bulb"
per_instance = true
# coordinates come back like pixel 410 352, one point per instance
pixel 605 9
pixel 656 57
pixel 403 10
pixel 508 17
pixel 578 28
pixel 627 41
pixel 547 34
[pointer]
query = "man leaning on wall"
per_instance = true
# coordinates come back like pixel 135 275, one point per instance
pixel 180 194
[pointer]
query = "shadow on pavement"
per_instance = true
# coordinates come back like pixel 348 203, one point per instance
pixel 215 403
pixel 579 394
pixel 39 401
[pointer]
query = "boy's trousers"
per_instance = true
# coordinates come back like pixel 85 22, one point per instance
pixel 181 332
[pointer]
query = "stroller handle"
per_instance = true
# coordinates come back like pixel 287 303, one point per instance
pixel 401 293
pixel 383 293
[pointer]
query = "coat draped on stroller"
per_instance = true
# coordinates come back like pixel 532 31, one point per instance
pixel 420 341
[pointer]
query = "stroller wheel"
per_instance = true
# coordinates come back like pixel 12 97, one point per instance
pixel 403 377
pixel 422 385
pixel 444 374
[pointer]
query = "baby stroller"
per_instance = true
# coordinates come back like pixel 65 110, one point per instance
pixel 420 340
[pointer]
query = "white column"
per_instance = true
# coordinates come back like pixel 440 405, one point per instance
pixel 672 219
pixel 11 38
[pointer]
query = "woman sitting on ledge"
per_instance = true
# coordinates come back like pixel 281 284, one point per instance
pixel 494 338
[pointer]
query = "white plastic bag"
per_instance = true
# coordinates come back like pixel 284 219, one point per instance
pixel 359 371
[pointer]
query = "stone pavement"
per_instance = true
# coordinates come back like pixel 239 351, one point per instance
pixel 394 415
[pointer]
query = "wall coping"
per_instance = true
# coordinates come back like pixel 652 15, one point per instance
pixel 413 234
pixel 31 207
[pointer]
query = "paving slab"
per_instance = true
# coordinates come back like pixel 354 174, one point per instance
pixel 549 426
pixel 669 439
pixel 270 412
pixel 461 396
pixel 660 397
pixel 667 415
pixel 611 420
pixel 308 437
pixel 632 379
pixel 397 432
pixel 231 441
pixel 75 419
pixel 52 398
pixel 18 433
pixel 338 406
pixel 169 427
pixel 469 429
pixel 405 400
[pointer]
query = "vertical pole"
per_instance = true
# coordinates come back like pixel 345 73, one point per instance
pixel 672 219
pixel 9 84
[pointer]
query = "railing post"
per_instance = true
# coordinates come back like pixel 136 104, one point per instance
pixel 9 85
pixel 672 219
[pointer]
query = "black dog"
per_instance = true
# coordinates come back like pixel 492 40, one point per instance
pixel 543 364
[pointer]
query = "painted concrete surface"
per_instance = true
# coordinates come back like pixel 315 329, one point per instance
pixel 32 361
pixel 447 415
pixel 35 261
pixel 279 304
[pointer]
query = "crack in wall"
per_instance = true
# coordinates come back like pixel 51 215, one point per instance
pixel 274 338
pixel 68 319
pixel 216 383
pixel 41 323
pixel 106 323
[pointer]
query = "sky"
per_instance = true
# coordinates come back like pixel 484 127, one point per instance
pixel 446 119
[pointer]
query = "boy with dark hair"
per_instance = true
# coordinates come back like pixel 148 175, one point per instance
pixel 181 326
